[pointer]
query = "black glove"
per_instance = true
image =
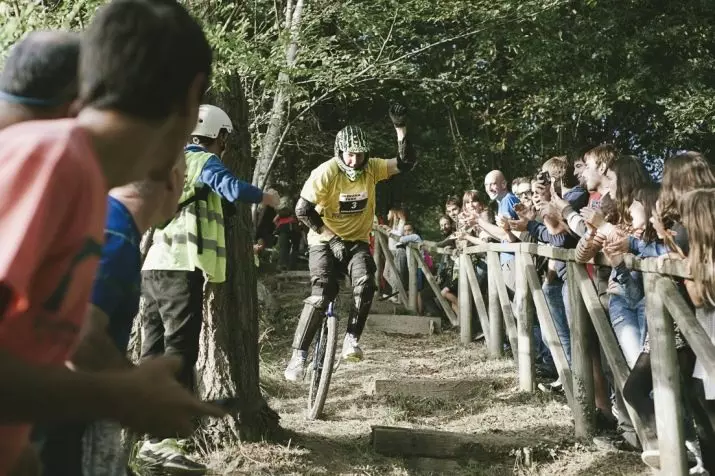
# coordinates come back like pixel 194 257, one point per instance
pixel 340 251
pixel 398 115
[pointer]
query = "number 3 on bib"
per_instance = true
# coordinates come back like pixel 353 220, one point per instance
pixel 352 202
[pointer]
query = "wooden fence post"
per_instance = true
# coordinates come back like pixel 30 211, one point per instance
pixel 389 261
pixel 525 324
pixel 548 331
pixel 437 291
pixel 379 262
pixel 688 323
pixel 666 381
pixel 496 324
pixel 613 353
pixel 506 307
pixel 479 303
pixel 581 364
pixel 412 268
pixel 465 300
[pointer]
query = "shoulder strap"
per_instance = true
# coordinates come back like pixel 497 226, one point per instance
pixel 202 193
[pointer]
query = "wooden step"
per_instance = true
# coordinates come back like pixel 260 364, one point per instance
pixel 425 388
pixel 488 446
pixel 404 324
pixel 293 275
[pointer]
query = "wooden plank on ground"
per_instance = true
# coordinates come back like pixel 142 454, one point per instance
pixel 290 275
pixel 411 442
pixel 384 307
pixel 425 388
pixel 433 466
pixel 401 324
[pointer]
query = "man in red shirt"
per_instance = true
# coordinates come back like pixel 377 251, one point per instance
pixel 144 66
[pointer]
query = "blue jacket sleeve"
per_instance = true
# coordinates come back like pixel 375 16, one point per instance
pixel 222 181
pixel 507 206
pixel 413 238
pixel 541 233
pixel 636 246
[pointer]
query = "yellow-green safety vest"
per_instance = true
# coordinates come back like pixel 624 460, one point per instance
pixel 195 238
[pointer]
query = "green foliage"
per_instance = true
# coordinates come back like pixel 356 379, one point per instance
pixel 490 83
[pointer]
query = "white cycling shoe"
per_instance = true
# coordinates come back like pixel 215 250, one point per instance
pixel 295 370
pixel 351 350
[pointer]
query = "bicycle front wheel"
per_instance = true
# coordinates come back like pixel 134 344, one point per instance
pixel 323 360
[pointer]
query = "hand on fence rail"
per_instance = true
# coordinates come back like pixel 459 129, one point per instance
pixel 668 267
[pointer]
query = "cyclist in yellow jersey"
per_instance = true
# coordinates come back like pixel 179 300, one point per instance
pixel 343 189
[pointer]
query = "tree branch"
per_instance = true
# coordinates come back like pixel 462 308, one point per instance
pixel 389 35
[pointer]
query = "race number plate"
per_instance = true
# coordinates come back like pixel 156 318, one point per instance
pixel 353 202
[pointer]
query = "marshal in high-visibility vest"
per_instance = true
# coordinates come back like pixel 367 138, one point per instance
pixel 191 249
pixel 195 238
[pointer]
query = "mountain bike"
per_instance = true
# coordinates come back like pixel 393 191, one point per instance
pixel 324 364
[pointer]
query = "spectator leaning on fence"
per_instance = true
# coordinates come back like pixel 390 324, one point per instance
pixel 555 234
pixel 496 188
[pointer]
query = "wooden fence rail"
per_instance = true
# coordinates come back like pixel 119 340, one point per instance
pixel 499 313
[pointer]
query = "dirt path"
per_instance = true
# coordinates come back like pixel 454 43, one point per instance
pixel 340 444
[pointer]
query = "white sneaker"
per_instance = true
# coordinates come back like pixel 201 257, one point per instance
pixel 351 350
pixel 694 453
pixel 651 458
pixel 295 370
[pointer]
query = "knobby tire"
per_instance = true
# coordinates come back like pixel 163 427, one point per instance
pixel 323 360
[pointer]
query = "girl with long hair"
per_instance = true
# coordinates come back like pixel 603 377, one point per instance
pixel 682 174
pixel 696 214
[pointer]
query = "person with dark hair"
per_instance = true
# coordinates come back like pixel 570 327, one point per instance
pixel 39 78
pixel 452 208
pixel 144 65
pixel 96 448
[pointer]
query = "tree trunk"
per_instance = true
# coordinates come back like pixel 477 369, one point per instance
pixel 228 357
pixel 276 132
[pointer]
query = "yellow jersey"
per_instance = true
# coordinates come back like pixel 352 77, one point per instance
pixel 348 207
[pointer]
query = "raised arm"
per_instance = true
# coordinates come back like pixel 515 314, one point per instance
pixel 406 155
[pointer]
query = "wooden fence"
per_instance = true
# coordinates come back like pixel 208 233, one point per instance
pixel 498 314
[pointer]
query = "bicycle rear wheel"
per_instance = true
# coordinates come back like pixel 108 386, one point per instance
pixel 323 359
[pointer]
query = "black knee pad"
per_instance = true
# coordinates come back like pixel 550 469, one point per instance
pixel 363 294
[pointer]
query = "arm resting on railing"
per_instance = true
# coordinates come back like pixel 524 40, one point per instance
pixel 492 230
pixel 542 234
pixel 588 247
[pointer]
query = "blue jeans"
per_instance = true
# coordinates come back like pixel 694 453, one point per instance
pixel 556 295
pixel 541 351
pixel 629 325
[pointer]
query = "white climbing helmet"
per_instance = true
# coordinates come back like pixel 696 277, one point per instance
pixel 211 120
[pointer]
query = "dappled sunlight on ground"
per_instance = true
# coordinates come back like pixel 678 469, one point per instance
pixel 340 443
